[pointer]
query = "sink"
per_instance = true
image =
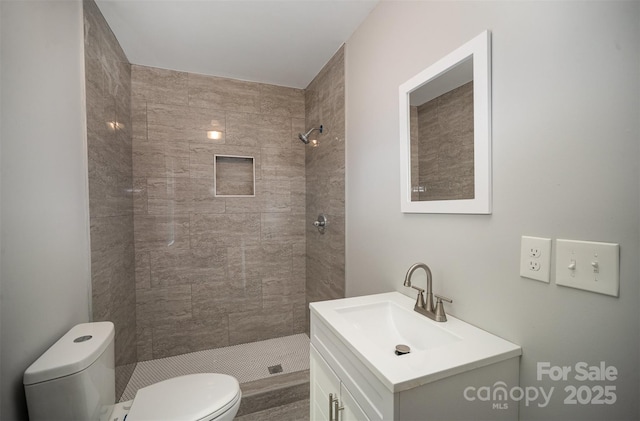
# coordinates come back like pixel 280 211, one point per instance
pixel 371 326
pixel 387 324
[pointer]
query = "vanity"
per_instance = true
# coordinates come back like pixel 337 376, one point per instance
pixel 454 371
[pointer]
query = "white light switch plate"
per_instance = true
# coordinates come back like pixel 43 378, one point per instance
pixel 588 265
pixel 535 258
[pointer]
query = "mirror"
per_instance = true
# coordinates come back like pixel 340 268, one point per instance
pixel 445 133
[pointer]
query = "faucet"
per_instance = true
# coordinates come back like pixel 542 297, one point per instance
pixel 427 308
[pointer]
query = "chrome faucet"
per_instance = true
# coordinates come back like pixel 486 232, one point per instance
pixel 423 307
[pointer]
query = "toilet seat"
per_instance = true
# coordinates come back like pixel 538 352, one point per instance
pixel 194 397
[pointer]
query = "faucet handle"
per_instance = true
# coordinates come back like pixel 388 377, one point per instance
pixel 441 316
pixel 443 298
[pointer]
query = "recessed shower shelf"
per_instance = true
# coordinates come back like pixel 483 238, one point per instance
pixel 234 176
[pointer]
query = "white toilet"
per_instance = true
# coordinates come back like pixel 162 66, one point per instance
pixel 75 380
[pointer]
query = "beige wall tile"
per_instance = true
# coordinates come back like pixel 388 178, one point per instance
pixel 145 341
pixel 298 195
pixel 324 102
pixel 282 291
pixel 181 196
pixel 109 153
pixel 213 300
pixel 279 100
pixel 160 159
pixel 282 163
pixel 282 227
pixel 159 85
pixel 139 194
pixel 160 232
pixel 258 130
pixel 125 335
pixel 166 196
pixel 248 204
pixel 163 305
pixel 175 266
pixel 259 325
pixel 203 199
pixel 277 195
pixel 300 318
pixel 143 270
pixel 244 262
pixel 223 94
pixel 201 157
pixel 224 229
pixel 277 259
pixel 176 123
pixel 139 119
pixel 186 336
pixel 298 261
pixel 220 248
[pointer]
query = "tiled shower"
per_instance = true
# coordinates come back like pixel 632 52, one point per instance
pixel 175 267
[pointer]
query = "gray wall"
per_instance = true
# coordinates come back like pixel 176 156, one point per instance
pixel 108 91
pixel 215 271
pixel 566 98
pixel 324 104
pixel 45 203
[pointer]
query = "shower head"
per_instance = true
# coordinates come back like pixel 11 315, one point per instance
pixel 305 137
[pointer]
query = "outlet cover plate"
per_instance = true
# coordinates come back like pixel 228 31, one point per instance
pixel 535 258
pixel 575 266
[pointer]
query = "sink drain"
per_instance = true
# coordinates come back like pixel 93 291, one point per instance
pixel 402 349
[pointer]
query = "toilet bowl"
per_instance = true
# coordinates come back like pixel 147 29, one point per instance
pixel 75 380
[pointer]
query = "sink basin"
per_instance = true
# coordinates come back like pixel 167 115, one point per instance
pixel 371 326
pixel 386 324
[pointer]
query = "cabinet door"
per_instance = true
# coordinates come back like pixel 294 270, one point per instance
pixel 323 382
pixel 351 410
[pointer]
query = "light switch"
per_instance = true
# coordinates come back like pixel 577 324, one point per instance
pixel 588 265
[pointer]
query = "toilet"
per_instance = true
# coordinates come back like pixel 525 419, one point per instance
pixel 75 380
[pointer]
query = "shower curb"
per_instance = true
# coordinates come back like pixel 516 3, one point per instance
pixel 274 391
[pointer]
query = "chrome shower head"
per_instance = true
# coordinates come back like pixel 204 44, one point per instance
pixel 305 137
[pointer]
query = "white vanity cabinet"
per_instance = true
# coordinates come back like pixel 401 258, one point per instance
pixel 330 398
pixel 438 380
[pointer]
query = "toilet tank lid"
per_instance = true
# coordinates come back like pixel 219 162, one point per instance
pixel 75 351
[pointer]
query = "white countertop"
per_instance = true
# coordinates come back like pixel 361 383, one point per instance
pixel 469 348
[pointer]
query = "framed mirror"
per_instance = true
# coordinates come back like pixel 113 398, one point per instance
pixel 445 133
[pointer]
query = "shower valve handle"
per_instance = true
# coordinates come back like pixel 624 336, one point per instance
pixel 321 223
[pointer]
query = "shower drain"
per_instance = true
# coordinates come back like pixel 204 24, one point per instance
pixel 274 369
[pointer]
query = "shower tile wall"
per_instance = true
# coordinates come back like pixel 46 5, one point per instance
pixel 325 104
pixel 215 271
pixel 108 99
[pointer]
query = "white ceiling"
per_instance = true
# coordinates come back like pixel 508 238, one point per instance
pixel 282 42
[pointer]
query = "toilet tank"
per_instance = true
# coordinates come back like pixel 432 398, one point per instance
pixel 75 378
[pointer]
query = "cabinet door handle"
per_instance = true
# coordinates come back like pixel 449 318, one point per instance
pixel 331 400
pixel 336 408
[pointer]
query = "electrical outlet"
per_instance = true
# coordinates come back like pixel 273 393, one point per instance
pixel 535 258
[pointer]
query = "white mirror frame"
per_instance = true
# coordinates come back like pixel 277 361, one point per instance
pixel 479 48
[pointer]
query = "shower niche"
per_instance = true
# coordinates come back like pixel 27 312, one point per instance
pixel 234 176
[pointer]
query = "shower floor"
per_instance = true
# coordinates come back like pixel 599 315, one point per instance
pixel 246 362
